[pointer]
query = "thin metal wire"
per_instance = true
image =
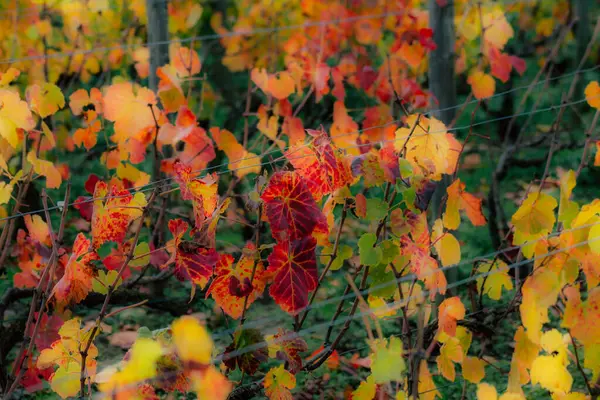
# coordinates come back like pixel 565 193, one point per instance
pixel 303 332
pixel 150 186
pixel 200 38
pixel 394 305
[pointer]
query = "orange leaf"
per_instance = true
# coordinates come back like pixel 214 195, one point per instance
pixel 47 169
pixel 592 94
pixel 124 100
pixel 38 229
pixel 202 192
pixel 76 282
pixel 323 166
pixel 241 161
pixel 279 85
pixel 185 61
pixel 450 311
pixel 459 199
pixel 113 211
pixel 482 84
pixel 278 383
pixel 344 131
pixel 233 285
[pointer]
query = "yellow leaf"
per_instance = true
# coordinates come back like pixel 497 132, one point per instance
pixel 594 239
pixel 14 114
pixel 65 381
pixel 460 199
pixel 497 30
pixel 5 192
pixel 379 307
pixel 49 135
pixel 486 391
pixel 387 363
pixel 132 174
pixel 533 220
pixel 536 214
pixel 445 244
pixel 592 94
pixel 192 341
pixel 47 169
pixel 366 390
pixel 496 279
pixel 37 228
pixel 553 343
pixel 551 374
pixel 427 386
pixel 473 369
pixel 465 337
pixel 10 75
pixel 567 209
pixel 592 359
pixel 45 100
pixel 428 146
pixel 278 383
pixel 450 352
pixel 570 396
pixel 140 366
pixel 240 160
pixel 482 84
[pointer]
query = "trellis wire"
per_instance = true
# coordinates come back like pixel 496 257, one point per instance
pixel 387 307
pixel 150 186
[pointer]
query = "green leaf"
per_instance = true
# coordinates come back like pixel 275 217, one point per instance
pixel 106 248
pixel 369 255
pixel 144 332
pixel 344 253
pixel 408 196
pixel 387 364
pixel 376 209
pixel 101 283
pixel 406 169
pixel 141 249
pixel 383 282
pixel 390 251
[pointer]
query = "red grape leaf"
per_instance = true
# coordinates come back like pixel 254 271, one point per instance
pixel 202 192
pixel 290 207
pixel 243 353
pixel 322 165
pixel 295 268
pixel 114 210
pixel 192 262
pixel 287 349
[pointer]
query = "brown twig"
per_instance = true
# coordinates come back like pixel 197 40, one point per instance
pixel 588 141
pixel 365 268
pixel 328 266
pixel 255 264
pixel 112 314
pixel 9 227
pixel 580 367
pixel 26 348
pixel 111 290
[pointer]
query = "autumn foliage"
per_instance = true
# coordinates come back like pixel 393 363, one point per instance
pixel 267 226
